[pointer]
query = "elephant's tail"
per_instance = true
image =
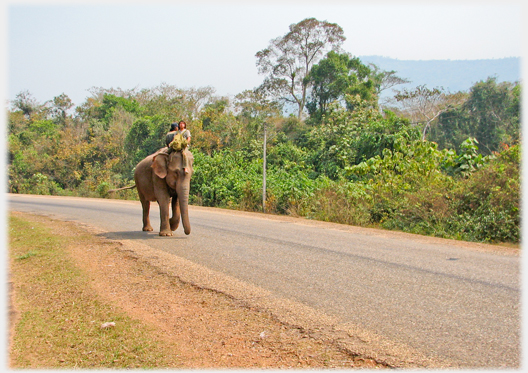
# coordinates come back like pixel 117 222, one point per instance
pixel 128 187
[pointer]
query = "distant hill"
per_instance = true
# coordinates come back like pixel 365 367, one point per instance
pixel 452 75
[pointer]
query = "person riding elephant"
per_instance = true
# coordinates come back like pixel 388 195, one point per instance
pixel 180 127
pixel 170 135
pixel 179 140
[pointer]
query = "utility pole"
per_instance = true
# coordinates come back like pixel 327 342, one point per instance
pixel 264 173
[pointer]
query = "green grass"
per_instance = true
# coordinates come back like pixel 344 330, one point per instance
pixel 60 316
pixel 27 255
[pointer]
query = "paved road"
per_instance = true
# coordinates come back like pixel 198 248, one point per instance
pixel 456 302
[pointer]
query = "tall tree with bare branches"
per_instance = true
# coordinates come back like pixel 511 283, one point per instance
pixel 423 105
pixel 288 59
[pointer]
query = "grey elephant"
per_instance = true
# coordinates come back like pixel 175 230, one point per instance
pixel 161 178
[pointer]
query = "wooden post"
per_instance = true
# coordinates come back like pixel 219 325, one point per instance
pixel 264 173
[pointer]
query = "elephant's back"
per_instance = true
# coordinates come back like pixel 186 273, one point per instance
pixel 143 167
pixel 143 179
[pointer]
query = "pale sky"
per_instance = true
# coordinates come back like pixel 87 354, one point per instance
pixel 55 47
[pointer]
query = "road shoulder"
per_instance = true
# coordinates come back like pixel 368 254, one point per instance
pixel 212 328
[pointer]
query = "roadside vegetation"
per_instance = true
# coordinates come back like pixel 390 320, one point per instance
pixel 424 160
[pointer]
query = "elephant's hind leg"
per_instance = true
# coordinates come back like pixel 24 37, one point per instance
pixel 146 211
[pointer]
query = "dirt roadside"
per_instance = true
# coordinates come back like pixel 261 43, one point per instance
pixel 210 329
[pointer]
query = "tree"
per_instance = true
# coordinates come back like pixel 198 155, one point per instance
pixel 218 127
pixel 253 108
pixel 26 103
pixel 61 105
pixel 385 80
pixel 490 114
pixel 146 135
pixel 494 112
pixel 256 109
pixel 424 105
pixel 347 138
pixel 287 61
pixel 177 102
pixel 111 103
pixel 336 76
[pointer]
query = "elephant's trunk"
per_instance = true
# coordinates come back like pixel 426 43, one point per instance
pixel 183 199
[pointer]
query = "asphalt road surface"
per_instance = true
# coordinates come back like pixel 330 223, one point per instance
pixel 455 302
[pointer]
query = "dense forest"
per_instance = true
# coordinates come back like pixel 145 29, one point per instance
pixel 425 161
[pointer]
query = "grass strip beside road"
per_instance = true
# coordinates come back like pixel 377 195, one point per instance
pixel 59 316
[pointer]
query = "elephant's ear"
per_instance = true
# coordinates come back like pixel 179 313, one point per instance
pixel 159 165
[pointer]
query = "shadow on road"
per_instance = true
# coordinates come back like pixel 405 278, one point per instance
pixel 139 235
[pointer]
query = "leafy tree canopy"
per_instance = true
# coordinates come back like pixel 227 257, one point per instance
pixel 287 61
pixel 336 76
pixel 490 114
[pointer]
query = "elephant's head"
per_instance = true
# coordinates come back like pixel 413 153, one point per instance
pixel 170 167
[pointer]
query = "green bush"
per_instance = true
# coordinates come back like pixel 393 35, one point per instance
pixel 336 201
pixel 226 179
pixel 487 204
pixel 39 184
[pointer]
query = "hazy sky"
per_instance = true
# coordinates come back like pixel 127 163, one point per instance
pixel 69 47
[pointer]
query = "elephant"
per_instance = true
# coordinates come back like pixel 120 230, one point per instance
pixel 160 177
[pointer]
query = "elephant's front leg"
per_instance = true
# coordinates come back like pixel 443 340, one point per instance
pixel 165 229
pixel 175 219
